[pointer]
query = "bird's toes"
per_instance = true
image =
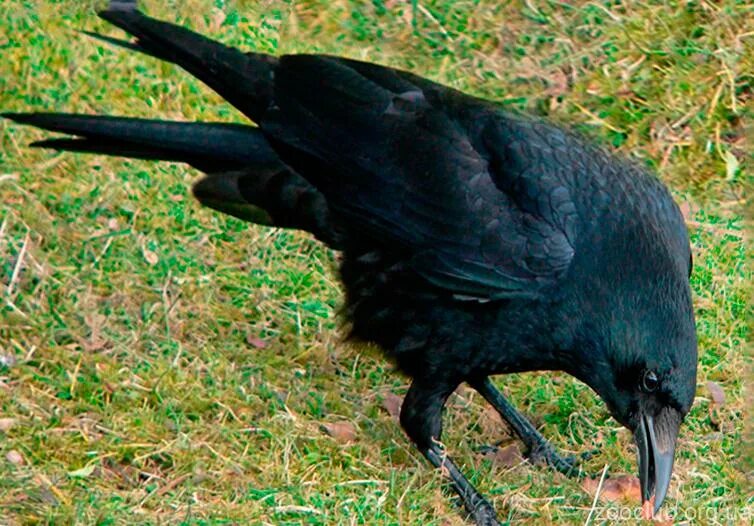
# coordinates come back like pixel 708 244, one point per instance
pixel 567 465
pixel 488 449
pixel 546 453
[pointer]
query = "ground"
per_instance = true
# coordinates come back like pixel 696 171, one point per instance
pixel 164 364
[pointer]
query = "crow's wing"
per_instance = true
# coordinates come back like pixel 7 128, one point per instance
pixel 472 197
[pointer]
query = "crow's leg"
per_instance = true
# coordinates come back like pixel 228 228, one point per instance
pixel 421 417
pixel 538 447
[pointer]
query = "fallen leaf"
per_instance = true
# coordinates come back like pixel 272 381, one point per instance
pixel 686 211
pixel 508 456
pixel 256 342
pixel 490 421
pixel 716 393
pixel 342 431
pixel 392 404
pixel 492 425
pixel 14 457
pixel 150 256
pixel 717 402
pixel 218 17
pixel 558 83
pixel 7 423
pixel 616 489
pixel 647 509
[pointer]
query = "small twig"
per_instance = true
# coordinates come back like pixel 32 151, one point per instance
pixel 228 409
pixel 429 15
pixel 2 227
pixel 598 119
pixel 596 496
pixel 405 492
pixel 17 267
pixel 102 252
pixel 74 376
pixel 44 481
pixel 167 487
pixel 605 10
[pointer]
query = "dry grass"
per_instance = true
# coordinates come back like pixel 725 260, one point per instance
pixel 162 364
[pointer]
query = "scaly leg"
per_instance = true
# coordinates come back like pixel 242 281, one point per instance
pixel 421 417
pixel 538 447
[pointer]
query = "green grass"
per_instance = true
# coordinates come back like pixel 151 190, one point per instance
pixel 131 319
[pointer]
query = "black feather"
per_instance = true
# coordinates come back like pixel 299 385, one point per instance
pixel 207 146
pixel 243 79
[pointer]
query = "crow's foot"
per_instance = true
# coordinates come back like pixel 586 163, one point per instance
pixel 568 465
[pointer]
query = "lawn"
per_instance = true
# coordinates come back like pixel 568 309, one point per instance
pixel 164 364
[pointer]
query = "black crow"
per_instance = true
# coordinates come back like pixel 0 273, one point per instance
pixel 474 242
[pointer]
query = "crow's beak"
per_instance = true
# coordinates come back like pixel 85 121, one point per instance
pixel 655 437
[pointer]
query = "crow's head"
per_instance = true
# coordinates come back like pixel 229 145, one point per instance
pixel 639 353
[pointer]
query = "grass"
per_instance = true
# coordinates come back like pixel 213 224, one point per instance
pixel 163 364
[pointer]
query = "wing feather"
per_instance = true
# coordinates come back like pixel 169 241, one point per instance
pixel 477 204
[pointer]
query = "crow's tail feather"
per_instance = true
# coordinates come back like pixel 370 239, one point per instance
pixel 244 177
pixel 207 146
pixel 243 79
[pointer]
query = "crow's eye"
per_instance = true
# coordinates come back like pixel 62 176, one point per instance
pixel 649 381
